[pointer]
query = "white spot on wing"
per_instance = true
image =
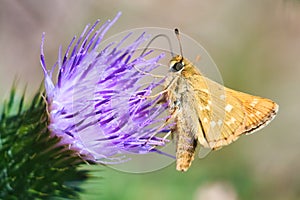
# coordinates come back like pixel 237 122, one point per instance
pixel 232 120
pixel 222 97
pixel 220 122
pixel 258 113
pixel 212 124
pixel 254 102
pixel 228 107
pixel 207 107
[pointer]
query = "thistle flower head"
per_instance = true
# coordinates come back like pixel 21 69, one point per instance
pixel 95 105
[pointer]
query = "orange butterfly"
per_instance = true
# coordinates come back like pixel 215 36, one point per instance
pixel 208 113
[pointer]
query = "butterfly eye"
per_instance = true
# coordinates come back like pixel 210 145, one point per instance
pixel 177 66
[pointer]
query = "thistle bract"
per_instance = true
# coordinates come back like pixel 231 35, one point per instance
pixel 97 103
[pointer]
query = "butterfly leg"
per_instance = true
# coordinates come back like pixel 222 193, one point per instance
pixel 147 73
pixel 162 92
pixel 172 117
pixel 152 96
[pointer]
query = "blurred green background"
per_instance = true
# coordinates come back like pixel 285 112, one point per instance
pixel 256 46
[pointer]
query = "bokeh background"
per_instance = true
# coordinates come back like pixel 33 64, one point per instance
pixel 256 46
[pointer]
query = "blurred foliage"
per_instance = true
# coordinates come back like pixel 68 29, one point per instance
pixel 170 184
pixel 32 165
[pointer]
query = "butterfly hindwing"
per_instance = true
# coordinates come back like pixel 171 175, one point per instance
pixel 222 115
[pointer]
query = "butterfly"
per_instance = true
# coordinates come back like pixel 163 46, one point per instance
pixel 207 113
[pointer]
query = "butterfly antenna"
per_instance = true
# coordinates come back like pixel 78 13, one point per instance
pixel 154 38
pixel 179 41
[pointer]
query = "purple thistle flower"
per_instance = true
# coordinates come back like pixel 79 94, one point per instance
pixel 97 105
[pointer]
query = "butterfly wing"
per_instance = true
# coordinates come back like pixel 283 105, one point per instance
pixel 226 114
pixel 259 111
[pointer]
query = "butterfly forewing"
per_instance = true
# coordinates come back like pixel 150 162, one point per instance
pixel 259 111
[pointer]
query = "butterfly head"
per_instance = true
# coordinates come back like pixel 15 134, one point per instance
pixel 177 64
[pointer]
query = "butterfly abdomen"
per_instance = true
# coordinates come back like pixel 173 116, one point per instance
pixel 187 125
pixel 185 151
